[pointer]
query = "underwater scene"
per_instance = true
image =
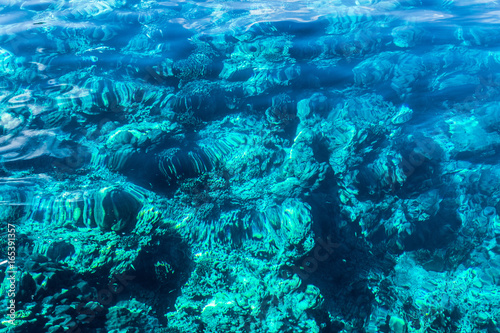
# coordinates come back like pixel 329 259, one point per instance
pixel 250 166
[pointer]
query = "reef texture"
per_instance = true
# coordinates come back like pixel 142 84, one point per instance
pixel 261 167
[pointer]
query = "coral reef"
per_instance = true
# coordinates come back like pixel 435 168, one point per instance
pixel 249 167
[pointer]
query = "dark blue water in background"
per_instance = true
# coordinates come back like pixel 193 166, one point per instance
pixel 204 166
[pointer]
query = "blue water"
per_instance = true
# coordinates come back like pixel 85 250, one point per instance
pixel 218 166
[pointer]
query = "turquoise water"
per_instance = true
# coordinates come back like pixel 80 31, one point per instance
pixel 218 166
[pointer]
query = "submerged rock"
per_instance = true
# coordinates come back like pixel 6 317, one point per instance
pixel 115 209
pixel 262 167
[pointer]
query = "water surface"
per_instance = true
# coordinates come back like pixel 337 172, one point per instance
pixel 245 166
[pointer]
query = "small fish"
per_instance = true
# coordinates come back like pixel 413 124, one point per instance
pixel 404 114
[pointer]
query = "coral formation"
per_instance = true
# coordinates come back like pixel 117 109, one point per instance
pixel 249 167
